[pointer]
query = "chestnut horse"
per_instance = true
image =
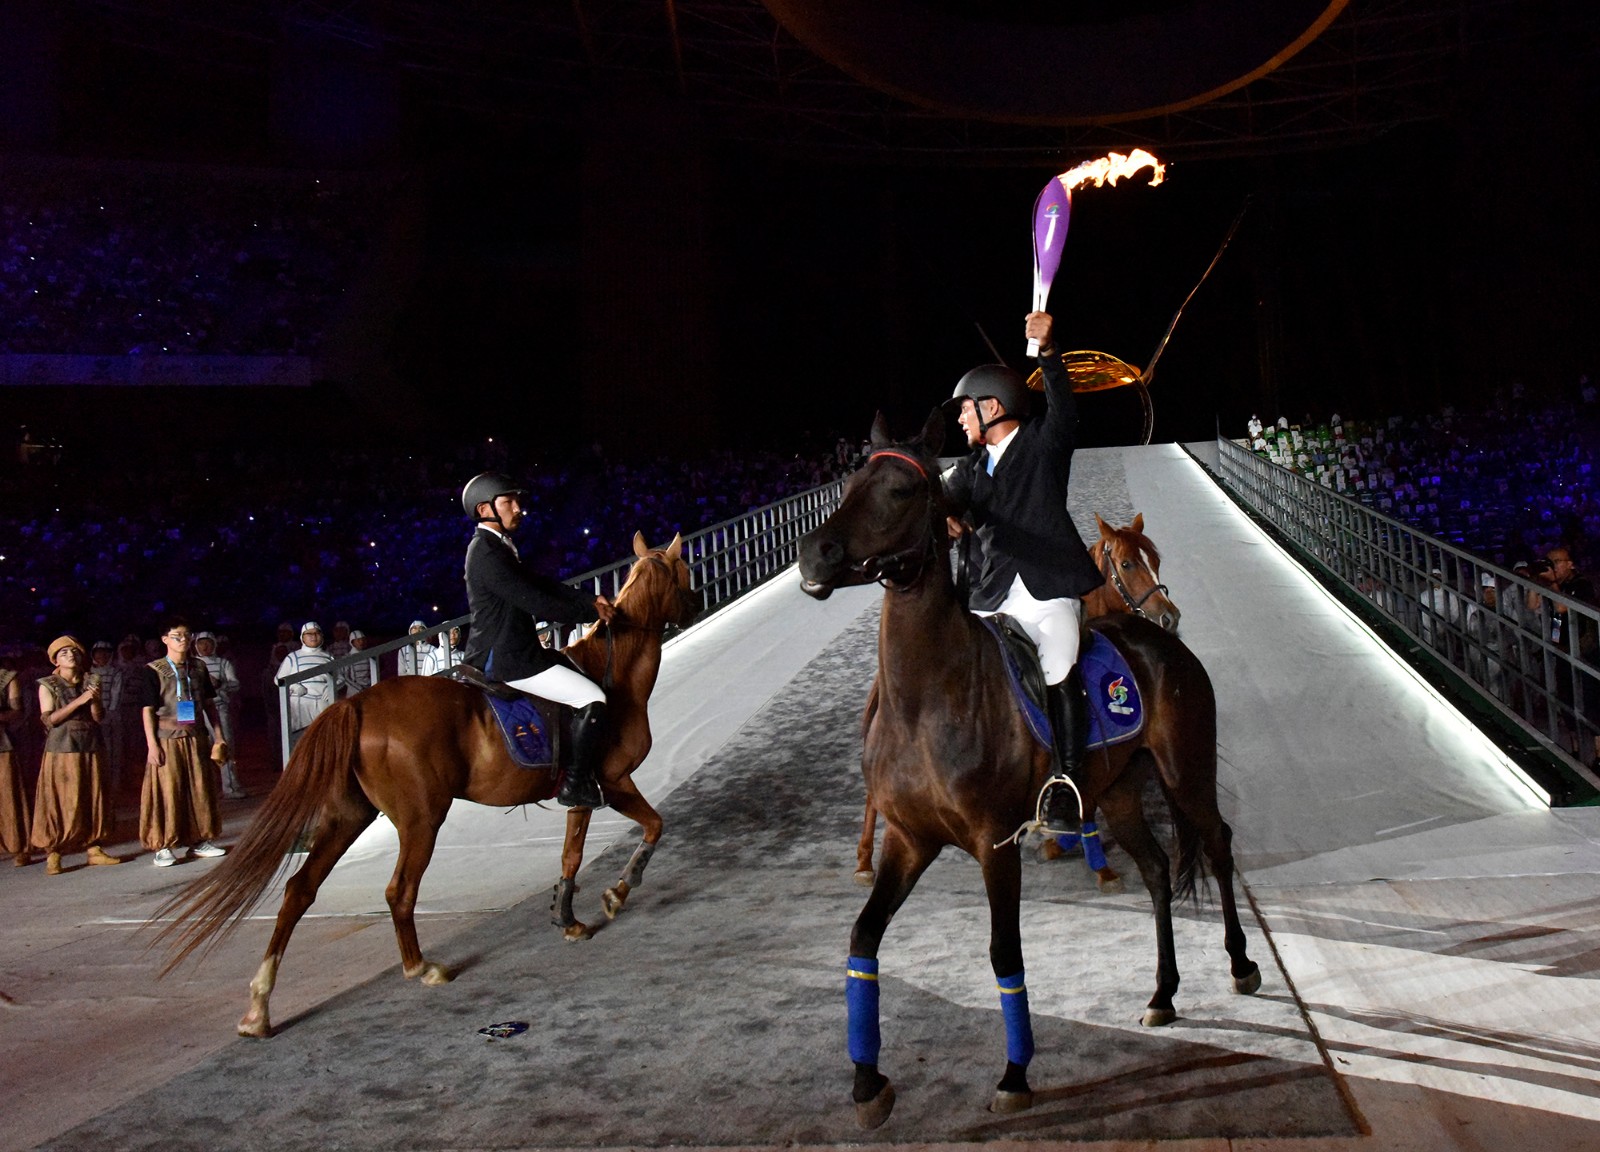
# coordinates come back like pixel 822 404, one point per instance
pixel 950 760
pixel 407 747
pixel 1131 565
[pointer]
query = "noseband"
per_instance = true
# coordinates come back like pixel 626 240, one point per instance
pixel 891 571
pixel 1108 569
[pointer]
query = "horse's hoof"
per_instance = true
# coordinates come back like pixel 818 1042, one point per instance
pixel 576 931
pixel 435 974
pixel 255 1026
pixel 865 877
pixel 1247 985
pixel 1109 882
pixel 1011 1101
pixel 874 1112
pixel 1158 1017
pixel 613 900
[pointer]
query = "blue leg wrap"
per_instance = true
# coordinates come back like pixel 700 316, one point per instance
pixel 1019 1027
pixel 861 998
pixel 1093 854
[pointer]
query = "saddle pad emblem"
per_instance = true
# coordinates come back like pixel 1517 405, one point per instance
pixel 526 731
pixel 1116 712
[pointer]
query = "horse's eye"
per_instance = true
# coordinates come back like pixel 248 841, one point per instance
pixel 1128 565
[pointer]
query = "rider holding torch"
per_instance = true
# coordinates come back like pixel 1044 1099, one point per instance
pixel 1035 569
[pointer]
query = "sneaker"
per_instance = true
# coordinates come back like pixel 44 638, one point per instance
pixel 208 850
pixel 165 858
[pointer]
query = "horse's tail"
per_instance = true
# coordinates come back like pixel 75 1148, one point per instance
pixel 1189 869
pixel 207 911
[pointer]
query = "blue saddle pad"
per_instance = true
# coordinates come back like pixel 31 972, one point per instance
pixel 1116 711
pixel 526 731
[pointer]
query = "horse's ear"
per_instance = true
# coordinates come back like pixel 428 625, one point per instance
pixel 640 548
pixel 1138 523
pixel 880 432
pixel 932 435
pixel 675 549
pixel 1105 529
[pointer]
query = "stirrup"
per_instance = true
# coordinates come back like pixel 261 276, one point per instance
pixel 1039 823
pixel 573 794
pixel 1053 827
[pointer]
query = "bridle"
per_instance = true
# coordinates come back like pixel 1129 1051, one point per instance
pixel 892 572
pixel 1108 569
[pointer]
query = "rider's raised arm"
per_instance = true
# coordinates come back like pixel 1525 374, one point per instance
pixel 1062 416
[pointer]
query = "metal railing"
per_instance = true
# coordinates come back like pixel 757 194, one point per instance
pixel 726 560
pixel 1532 652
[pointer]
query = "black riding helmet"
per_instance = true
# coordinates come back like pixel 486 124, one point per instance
pixel 1004 384
pixel 483 488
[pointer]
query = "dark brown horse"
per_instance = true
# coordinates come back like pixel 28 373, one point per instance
pixel 407 747
pixel 949 758
pixel 1131 565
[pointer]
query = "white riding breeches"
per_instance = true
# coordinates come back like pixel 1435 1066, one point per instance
pixel 563 685
pixel 1053 625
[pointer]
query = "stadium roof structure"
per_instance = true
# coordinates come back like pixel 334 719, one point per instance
pixel 1188 79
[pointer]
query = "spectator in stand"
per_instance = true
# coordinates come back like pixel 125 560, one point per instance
pixel 339 646
pixel 357 676
pixel 225 681
pixel 71 806
pixel 311 697
pixel 1575 634
pixel 14 808
pixel 179 807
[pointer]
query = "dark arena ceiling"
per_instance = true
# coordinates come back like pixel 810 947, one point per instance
pixel 945 81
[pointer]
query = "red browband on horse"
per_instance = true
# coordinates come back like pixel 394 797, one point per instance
pixel 911 460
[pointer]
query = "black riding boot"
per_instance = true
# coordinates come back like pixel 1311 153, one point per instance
pixel 1069 720
pixel 579 787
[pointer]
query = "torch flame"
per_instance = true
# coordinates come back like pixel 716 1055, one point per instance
pixel 1113 168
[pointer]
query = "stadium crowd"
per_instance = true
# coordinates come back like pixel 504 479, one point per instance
pixel 1505 481
pixel 187 261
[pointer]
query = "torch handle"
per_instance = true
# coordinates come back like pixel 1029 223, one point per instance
pixel 1033 348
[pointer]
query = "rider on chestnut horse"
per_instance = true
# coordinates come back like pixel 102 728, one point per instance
pixel 1035 569
pixel 507 600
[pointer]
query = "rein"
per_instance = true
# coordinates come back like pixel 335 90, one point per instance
pixel 1109 571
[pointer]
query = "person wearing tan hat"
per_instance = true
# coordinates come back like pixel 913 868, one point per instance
pixel 180 805
pixel 13 797
pixel 71 805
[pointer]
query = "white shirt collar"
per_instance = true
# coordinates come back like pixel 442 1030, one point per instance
pixel 504 539
pixel 998 450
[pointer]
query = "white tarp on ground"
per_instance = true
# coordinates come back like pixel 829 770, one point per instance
pixel 1439 924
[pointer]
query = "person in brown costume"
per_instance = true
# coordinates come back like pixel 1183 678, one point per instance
pixel 71 805
pixel 13 797
pixel 179 806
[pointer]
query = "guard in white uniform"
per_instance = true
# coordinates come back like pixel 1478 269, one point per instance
pixel 308 698
pixel 357 677
pixel 225 681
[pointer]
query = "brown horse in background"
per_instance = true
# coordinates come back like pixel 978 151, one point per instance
pixel 950 760
pixel 1131 564
pixel 407 747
